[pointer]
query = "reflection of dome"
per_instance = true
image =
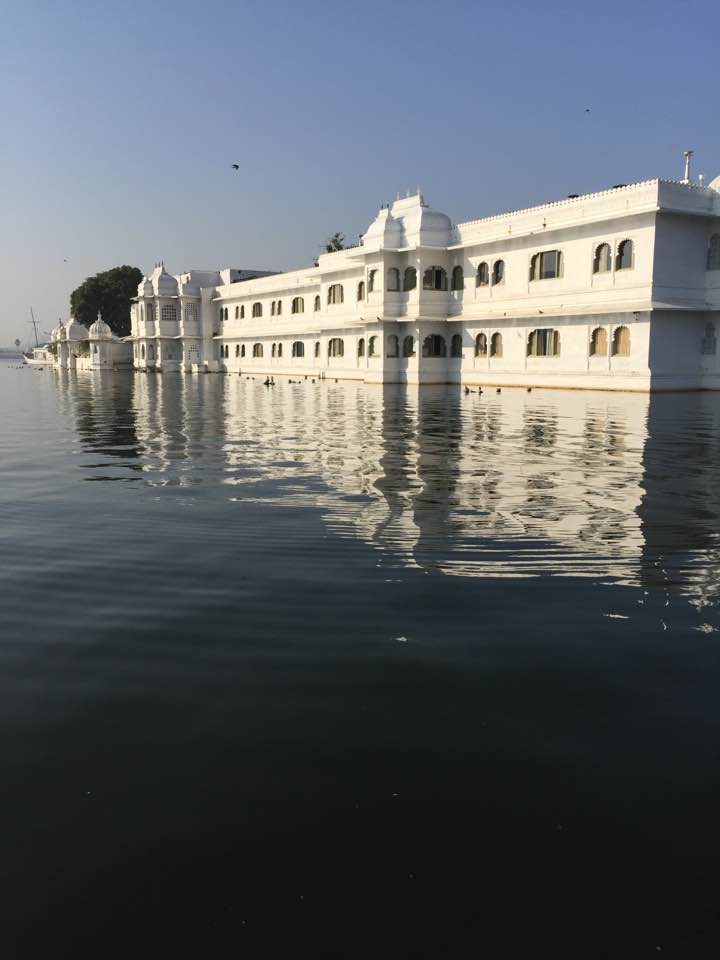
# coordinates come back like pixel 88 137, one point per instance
pixel 75 331
pixel 100 330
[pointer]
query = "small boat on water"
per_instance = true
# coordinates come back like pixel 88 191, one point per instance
pixel 38 356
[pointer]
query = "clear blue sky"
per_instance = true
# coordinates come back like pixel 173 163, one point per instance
pixel 120 122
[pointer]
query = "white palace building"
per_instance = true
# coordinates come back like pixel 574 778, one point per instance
pixel 614 290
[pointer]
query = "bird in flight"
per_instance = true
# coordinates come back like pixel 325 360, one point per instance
pixel 587 109
pixel 236 166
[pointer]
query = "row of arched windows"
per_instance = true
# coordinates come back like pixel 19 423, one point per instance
pixel 624 257
pixel 620 342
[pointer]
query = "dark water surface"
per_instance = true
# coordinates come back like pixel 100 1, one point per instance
pixel 336 670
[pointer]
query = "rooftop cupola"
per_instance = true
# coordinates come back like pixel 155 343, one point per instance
pixel 408 222
pixel 75 330
pixel 100 330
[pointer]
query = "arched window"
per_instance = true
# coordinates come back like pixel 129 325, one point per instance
pixel 498 274
pixel 602 261
pixel 481 345
pixel 298 305
pixel 456 346
pixel 279 350
pixel 150 312
pixel 393 279
pixel 410 278
pixel 242 351
pixel 257 309
pixel 624 258
pixel 361 347
pixel 257 349
pixel 409 347
pixel 298 349
pixel 361 290
pixel 168 313
pixel 372 347
pixel 335 293
pixel 316 305
pixel 546 265
pixel 226 313
pixel 393 346
pixel 434 346
pixel 435 278
pixel 496 345
pixel 237 313
pixel 142 351
pixel 544 343
pixel 272 309
pixel 482 277
pixel 94 348
pixel 273 350
pixel 242 312
pixel 621 342
pixel 713 254
pixel 317 348
pixel 336 347
pixel 458 278
pixel 371 280
pixel 279 307
pixel 237 349
pixel 598 341
pixel 709 342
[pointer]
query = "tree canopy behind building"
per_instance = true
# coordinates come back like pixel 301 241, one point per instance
pixel 110 293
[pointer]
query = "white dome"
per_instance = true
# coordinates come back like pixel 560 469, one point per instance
pixel 145 287
pixel 163 284
pixel 58 331
pixel 409 222
pixel 75 331
pixel 100 330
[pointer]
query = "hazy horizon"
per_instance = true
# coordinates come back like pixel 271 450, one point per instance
pixel 121 125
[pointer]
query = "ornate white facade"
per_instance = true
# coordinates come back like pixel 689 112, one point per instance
pixel 613 290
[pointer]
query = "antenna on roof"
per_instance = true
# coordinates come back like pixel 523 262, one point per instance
pixel 688 157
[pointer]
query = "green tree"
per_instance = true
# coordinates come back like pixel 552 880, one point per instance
pixel 110 293
pixel 335 242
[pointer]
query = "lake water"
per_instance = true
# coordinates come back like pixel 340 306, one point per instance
pixel 342 670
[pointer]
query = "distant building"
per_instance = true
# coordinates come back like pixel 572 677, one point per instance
pixel 612 290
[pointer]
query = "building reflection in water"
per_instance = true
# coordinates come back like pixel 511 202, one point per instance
pixel 609 486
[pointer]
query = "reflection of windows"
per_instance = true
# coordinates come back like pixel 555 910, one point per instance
pixel 435 278
pixel 598 341
pixel 544 343
pixel 709 342
pixel 546 265
pixel 621 342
